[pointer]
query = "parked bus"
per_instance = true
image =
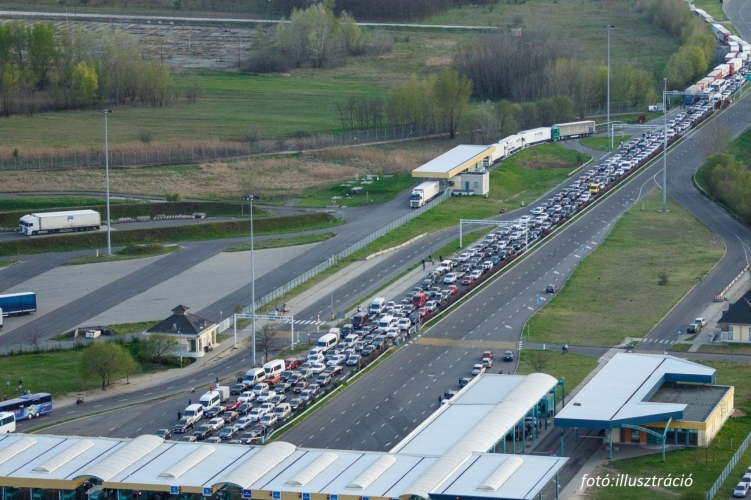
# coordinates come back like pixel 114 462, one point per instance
pixel 28 406
pixel 7 422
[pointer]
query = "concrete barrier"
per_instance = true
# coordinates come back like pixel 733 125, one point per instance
pixel 381 252
pixel 735 280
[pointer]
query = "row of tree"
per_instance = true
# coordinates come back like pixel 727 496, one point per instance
pixel 41 70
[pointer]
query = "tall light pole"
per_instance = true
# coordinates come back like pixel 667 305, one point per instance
pixel 665 147
pixel 105 112
pixel 609 131
pixel 250 199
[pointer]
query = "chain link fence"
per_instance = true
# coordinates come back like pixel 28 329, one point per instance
pixel 729 468
pixel 148 156
pixel 284 289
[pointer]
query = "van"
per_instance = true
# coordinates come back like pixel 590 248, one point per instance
pixel 337 332
pixel 327 342
pixel 351 339
pixel 193 413
pixel 419 299
pixel 254 376
pixel 347 329
pixel 386 322
pixel 274 367
pixel 377 306
pixel 360 320
pixel 210 400
pixel 283 411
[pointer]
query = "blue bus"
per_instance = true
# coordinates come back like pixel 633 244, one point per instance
pixel 28 406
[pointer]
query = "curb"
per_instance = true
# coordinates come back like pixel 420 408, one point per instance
pixel 397 247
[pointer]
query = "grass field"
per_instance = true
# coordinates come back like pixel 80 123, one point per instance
pixel 281 242
pixel 169 234
pixel 573 367
pixel 383 189
pixel 601 304
pixel 740 349
pixel 127 253
pixel 603 143
pixel 705 465
pixel 45 203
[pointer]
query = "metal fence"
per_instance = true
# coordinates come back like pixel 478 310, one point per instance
pixel 57 345
pixel 729 468
pixel 149 155
pixel 284 289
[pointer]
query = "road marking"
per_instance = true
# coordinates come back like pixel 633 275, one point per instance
pixel 97 406
pixel 113 429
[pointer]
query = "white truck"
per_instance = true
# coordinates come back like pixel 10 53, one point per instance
pixel 60 222
pixel 424 193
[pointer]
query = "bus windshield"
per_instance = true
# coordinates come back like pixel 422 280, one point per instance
pixel 28 406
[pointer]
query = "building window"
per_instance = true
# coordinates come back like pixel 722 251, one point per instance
pixel 477 184
pixel 730 332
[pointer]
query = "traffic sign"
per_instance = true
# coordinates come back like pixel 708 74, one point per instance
pixel 276 495
pixel 306 496
pixel 174 490
pixel 207 492
pixel 334 497
pixel 628 203
pixel 539 301
pixel 247 493
pixel 584 249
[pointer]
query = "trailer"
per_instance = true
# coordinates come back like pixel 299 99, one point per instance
pixel 724 70
pixel 735 65
pixel 705 82
pixel 734 47
pixel 563 131
pixel 510 145
pixel 721 33
pixel 534 136
pixel 71 221
pixel 714 75
pixel 424 193
pixel 691 94
pixel 731 55
pixel 14 304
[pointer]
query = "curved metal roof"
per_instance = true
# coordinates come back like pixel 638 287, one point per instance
pixel 64 456
pixel 122 457
pixel 372 473
pixel 501 474
pixel 188 462
pixel 313 469
pixel 16 448
pixel 491 429
pixel 255 467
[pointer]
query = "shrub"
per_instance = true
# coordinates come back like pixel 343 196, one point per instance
pixel 266 61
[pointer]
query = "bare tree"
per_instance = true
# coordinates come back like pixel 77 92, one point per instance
pixel 267 341
pixel 538 360
pixel 33 336
pixel 716 138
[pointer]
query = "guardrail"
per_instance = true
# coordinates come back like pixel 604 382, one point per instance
pixel 729 468
pixel 284 289
pixel 721 296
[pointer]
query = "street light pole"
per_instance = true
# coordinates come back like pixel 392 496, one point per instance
pixel 252 283
pixel 665 147
pixel 105 112
pixel 609 130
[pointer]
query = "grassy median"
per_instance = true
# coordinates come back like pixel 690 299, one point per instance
pixel 305 239
pixel 127 253
pixel 625 286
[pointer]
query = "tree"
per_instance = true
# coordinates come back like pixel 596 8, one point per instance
pixel 509 115
pixel 85 82
pixel 267 341
pixel 539 360
pixel 11 86
pixel 33 336
pixel 105 360
pixel 452 92
pixel 484 125
pixel 42 52
pixel 158 345
pixel 716 138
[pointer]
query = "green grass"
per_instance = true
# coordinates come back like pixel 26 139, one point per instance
pixel 713 8
pixel 517 182
pixel 33 203
pixel 170 234
pixel 6 263
pixel 384 189
pixel 740 349
pixel 119 329
pixel 680 347
pixel 127 253
pixel 573 367
pixel 601 304
pixel 705 465
pixel 281 242
pixel 603 143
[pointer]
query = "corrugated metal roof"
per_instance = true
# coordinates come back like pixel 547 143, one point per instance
pixel 187 463
pixel 252 469
pixel 312 469
pixel 501 474
pixel 453 161
pixel 16 448
pixel 122 457
pixel 64 456
pixel 367 477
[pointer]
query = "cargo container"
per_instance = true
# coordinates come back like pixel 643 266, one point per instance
pixel 735 65
pixel 721 33
pixel 692 94
pixel 60 222
pixel 575 129
pixel 18 303
pixel 534 136
pixel 509 145
pixel 724 70
pixel 705 82
pixel 714 75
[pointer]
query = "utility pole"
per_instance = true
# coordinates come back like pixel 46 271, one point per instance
pixel 665 147
pixel 105 112
pixel 609 130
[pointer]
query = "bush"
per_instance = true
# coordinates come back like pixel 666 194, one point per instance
pixel 173 197
pixel 266 61
pixel 380 43
pixel 145 136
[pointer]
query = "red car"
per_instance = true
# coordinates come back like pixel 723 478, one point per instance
pixel 291 363
pixel 486 354
pixel 453 289
pixel 230 417
pixel 423 311
pixel 468 280
pixel 300 386
pixel 232 406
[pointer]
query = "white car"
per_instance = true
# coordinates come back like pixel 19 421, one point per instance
pixel 243 423
pixel 216 423
pixel 404 324
pixel 256 414
pixel 259 388
pixel 267 407
pixel 264 396
pixel 449 278
pixel 337 359
pixel 478 369
pixel 537 211
pixel 246 397
pixel 353 359
pixel 318 368
pixel 268 420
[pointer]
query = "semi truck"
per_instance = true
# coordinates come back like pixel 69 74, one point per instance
pixel 735 65
pixel 60 222
pixel 724 70
pixel 691 95
pixel 424 193
pixel 13 304
pixel 721 33
pixel 563 131
pixel 535 136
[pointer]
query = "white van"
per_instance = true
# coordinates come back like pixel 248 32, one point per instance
pixel 386 322
pixel 327 342
pixel 193 413
pixel 351 339
pixel 377 306
pixel 274 367
pixel 210 399
pixel 283 411
pixel 254 376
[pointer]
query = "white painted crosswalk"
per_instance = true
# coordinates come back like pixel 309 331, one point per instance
pixel 659 341
pixel 308 322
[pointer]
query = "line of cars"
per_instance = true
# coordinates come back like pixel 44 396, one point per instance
pixel 742 488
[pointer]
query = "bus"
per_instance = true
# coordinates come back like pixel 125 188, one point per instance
pixel 7 422
pixel 28 406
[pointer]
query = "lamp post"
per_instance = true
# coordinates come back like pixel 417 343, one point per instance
pixel 250 199
pixel 665 147
pixel 105 112
pixel 609 131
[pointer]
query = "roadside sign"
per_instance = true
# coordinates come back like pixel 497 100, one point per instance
pixel 628 203
pixel 306 496
pixel 276 495
pixel 174 490
pixel 584 249
pixel 539 301
pixel 247 493
pixel 207 492
pixel 334 497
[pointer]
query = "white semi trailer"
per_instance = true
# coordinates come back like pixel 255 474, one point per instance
pixel 60 222
pixel 424 193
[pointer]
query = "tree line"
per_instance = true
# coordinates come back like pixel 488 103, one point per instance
pixel 42 69
pixel 381 10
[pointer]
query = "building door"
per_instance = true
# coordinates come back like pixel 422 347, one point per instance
pixel 466 186
pixel 192 345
